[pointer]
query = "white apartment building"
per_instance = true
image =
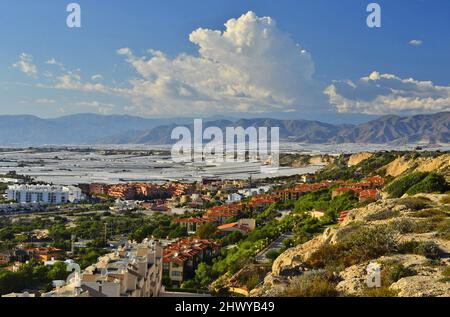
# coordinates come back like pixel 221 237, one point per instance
pixel 134 270
pixel 46 194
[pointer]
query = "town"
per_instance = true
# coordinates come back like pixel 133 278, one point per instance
pixel 150 240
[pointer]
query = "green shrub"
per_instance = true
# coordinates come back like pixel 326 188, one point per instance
pixel 428 249
pixel 401 185
pixel 430 184
pixel 443 229
pixel 392 272
pixel 415 203
pixel 272 254
pixel 311 284
pixel 446 274
pixel 408 247
pixel 382 215
pixel 363 244
pixel 445 199
pixel 427 213
pixel 403 226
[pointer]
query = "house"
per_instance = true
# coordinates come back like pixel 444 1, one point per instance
pixel 223 213
pixel 307 178
pixel 243 226
pixel 369 195
pixel 8 256
pixel 233 198
pixel 133 270
pixel 343 215
pixel 191 224
pixel 375 181
pixel 261 202
pixel 5 257
pixel 342 190
pixel 182 257
pixel 44 254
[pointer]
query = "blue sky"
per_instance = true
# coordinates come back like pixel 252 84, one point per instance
pixel 340 54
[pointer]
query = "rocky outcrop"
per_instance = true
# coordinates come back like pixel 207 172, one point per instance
pixel 426 279
pixel 354 278
pixel 423 164
pixel 355 159
pixel 292 262
pixel 422 286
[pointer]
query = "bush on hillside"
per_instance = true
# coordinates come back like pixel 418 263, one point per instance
pixel 365 243
pixel 312 284
pixel 431 184
pixel 401 185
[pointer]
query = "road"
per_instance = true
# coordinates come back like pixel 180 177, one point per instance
pixel 275 245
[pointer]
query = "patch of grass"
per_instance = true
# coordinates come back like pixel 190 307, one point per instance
pixel 446 274
pixel 311 284
pixel 403 226
pixel 415 203
pixel 428 249
pixel 382 215
pixel 392 272
pixel 364 244
pixel 427 213
pixel 445 199
pixel 379 292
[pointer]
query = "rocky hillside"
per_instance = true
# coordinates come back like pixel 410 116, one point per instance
pixel 122 129
pixel 408 237
pixel 427 129
pixel 403 164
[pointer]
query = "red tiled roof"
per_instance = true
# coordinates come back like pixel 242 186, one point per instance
pixel 189 220
pixel 227 226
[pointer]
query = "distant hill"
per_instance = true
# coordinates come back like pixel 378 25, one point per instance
pixel 74 129
pixel 429 129
pixel 123 129
pixel 432 128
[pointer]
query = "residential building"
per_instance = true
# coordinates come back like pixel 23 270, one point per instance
pixel 233 198
pixel 133 270
pixel 46 194
pixel 243 226
pixel 191 224
pixel 182 257
pixel 45 254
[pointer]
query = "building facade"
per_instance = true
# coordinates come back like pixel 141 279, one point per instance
pixel 46 194
pixel 133 270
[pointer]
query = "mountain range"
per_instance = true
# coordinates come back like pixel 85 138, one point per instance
pixel 122 129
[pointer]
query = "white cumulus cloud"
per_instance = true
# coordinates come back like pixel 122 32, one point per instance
pixel 25 65
pixel 386 94
pixel 252 66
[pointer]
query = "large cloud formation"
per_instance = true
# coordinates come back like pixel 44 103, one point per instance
pixel 251 67
pixel 387 94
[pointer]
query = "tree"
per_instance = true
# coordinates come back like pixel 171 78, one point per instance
pixel 203 275
pixel 57 271
pixel 207 230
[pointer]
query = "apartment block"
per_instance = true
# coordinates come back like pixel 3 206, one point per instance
pixel 134 270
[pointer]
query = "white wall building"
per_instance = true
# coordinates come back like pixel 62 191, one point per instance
pixel 46 194
pixel 233 198
pixel 134 270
